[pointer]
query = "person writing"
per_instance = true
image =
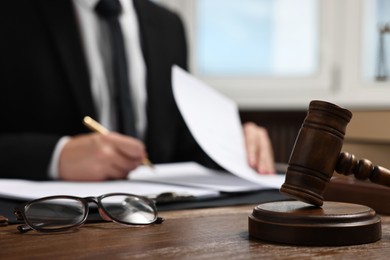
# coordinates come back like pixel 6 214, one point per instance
pixel 59 63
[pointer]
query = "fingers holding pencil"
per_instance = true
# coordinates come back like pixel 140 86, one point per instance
pixel 97 127
pixel 99 157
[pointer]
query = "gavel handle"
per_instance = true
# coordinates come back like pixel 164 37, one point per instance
pixel 363 169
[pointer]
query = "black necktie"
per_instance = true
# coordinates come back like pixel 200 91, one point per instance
pixel 109 10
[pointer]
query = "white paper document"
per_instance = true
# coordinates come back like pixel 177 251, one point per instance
pixel 214 121
pixel 182 180
pixel 191 174
pixel 28 190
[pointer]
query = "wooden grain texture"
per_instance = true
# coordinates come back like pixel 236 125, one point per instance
pixel 219 233
pixel 348 189
pixel 298 223
pixel 316 152
pixel 362 169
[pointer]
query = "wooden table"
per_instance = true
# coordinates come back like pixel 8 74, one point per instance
pixel 218 233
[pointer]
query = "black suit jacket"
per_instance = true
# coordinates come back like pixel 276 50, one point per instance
pixel 45 87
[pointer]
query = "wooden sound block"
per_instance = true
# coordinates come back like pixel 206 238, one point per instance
pixel 298 223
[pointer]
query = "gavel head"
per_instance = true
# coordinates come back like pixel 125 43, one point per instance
pixel 316 151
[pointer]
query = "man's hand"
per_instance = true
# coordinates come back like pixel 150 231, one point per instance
pixel 259 148
pixel 97 157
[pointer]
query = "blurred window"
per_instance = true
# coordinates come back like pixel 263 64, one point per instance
pixel 257 37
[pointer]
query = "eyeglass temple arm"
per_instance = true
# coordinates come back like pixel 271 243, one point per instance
pixel 21 228
pixel 159 220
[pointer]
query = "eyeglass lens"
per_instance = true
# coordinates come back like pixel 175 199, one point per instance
pixel 55 213
pixel 129 209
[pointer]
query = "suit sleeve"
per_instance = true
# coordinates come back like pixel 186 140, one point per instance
pixel 37 103
pixel 26 156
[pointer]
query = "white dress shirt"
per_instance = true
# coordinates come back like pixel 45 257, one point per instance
pixel 95 39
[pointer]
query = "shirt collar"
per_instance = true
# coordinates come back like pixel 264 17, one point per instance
pixel 90 4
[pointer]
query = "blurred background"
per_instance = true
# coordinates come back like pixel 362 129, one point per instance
pixel 274 56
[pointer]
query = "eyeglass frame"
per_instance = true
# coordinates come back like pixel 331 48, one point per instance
pixel 19 212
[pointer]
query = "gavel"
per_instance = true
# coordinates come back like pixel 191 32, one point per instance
pixel 317 155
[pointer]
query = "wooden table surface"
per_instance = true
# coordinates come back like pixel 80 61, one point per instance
pixel 217 233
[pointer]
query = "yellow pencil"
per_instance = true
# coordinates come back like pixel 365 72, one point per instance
pixel 97 127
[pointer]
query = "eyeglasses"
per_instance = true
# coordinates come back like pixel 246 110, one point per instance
pixel 60 213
